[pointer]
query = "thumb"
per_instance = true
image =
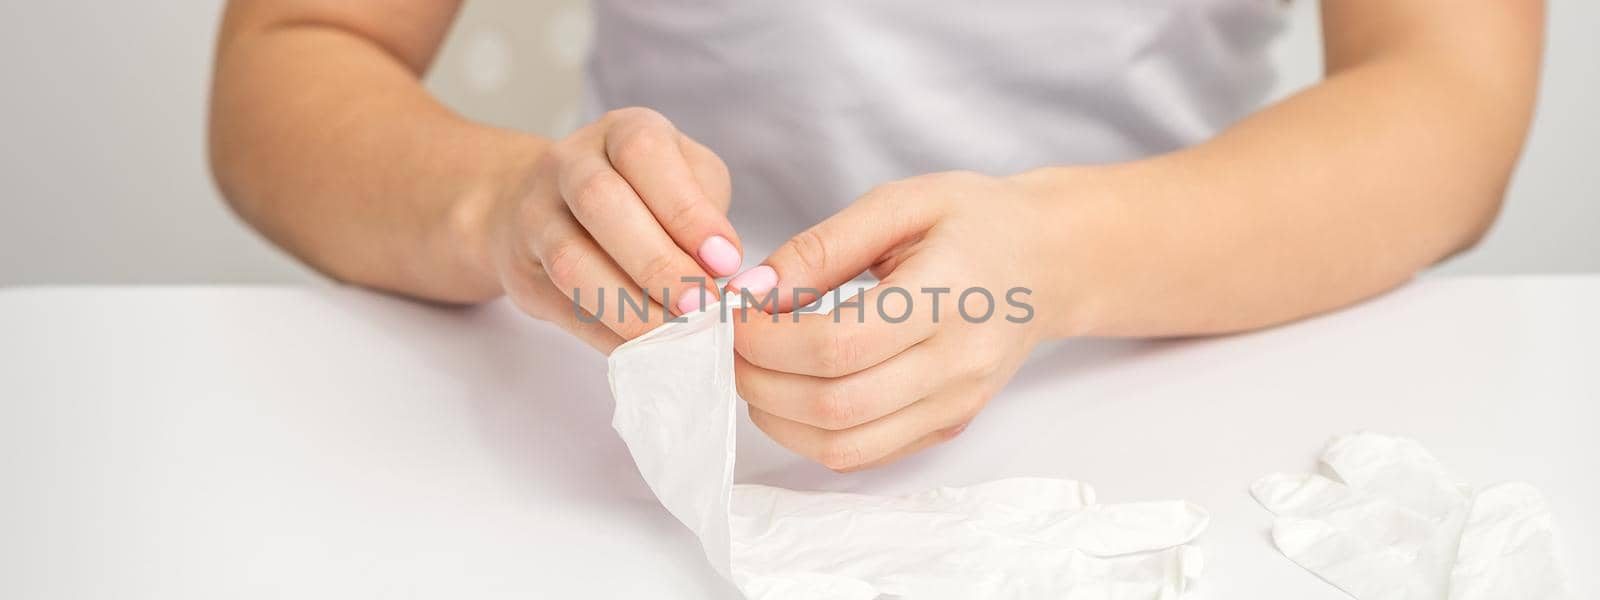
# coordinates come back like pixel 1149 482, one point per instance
pixel 838 249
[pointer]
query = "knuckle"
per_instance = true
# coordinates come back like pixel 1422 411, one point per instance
pixel 810 250
pixel 837 353
pixel 595 193
pixel 637 148
pixel 718 169
pixel 763 421
pixel 747 388
pixel 969 406
pixel 758 417
pixel 631 114
pixel 982 369
pixel 681 217
pixel 892 191
pixel 657 271
pixel 834 408
pixel 840 455
pixel 950 433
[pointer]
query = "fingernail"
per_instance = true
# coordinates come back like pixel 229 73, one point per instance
pixel 755 281
pixel 692 300
pixel 719 254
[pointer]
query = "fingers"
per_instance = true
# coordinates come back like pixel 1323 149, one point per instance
pixel 843 246
pixel 850 339
pixel 583 272
pixel 842 403
pixel 648 152
pixel 604 203
pixel 710 171
pixel 874 442
pixel 923 443
pixel 627 206
pixel 636 192
pixel 529 287
pixel 535 295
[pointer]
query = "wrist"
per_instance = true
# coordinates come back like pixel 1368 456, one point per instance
pixel 1077 250
pixel 483 209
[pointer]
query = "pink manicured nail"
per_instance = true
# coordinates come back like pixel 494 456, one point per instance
pixel 719 254
pixel 756 281
pixel 692 300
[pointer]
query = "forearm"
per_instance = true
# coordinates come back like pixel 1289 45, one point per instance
pixel 1330 197
pixel 328 144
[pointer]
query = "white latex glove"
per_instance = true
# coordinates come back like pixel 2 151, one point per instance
pixel 1013 538
pixel 1396 526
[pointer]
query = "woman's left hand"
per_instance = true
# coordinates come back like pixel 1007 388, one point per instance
pixel 958 256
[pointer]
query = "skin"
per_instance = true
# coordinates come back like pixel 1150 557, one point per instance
pixel 324 139
pixel 1397 160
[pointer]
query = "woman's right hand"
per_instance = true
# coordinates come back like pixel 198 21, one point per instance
pixel 625 203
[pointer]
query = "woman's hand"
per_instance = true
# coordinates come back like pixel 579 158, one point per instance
pixel 626 204
pixel 958 256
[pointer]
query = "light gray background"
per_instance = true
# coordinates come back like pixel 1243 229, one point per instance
pixel 103 173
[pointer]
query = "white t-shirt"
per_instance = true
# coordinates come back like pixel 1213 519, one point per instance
pixel 813 103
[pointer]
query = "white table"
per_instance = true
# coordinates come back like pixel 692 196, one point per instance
pixel 294 442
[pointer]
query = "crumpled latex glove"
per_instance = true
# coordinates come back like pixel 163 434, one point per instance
pixel 1391 524
pixel 1012 538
